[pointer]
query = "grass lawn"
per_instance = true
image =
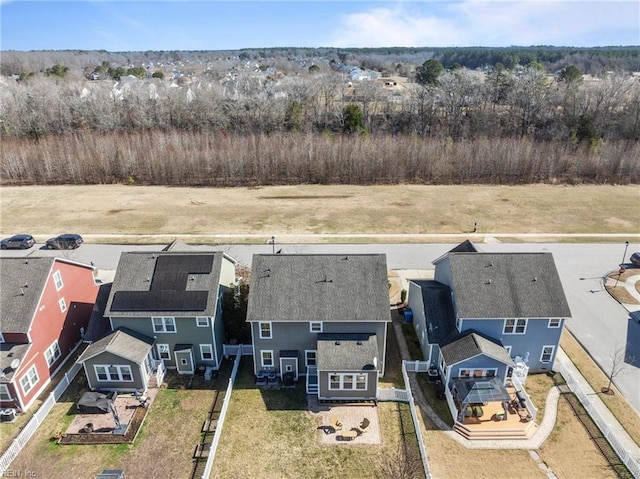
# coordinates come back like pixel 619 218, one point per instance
pixel 162 449
pixel 270 434
pixel 315 209
pixel 616 403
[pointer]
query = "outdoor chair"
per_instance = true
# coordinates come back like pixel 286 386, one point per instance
pixel 336 424
pixel 362 428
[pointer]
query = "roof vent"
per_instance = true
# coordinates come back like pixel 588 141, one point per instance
pixel 359 343
pixel 535 278
pixel 21 291
pixel 337 343
pixel 488 281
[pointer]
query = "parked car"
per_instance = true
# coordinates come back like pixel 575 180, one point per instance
pixel 65 241
pixel 18 241
pixel 635 259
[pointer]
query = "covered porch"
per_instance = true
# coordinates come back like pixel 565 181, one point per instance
pixel 484 408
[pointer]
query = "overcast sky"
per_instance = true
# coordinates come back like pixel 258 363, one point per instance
pixel 219 25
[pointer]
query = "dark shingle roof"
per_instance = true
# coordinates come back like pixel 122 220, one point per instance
pixel 438 309
pixel 99 325
pixel 122 342
pixel 22 281
pixel 465 247
pixel 470 343
pixel 168 283
pixel 8 353
pixel 347 352
pixel 319 288
pixel 507 285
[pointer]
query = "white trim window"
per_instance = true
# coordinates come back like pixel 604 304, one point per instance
pixel 315 327
pixel 206 352
pixel 163 351
pixel 29 380
pixel 515 326
pixel 347 382
pixel 1 338
pixel 52 353
pixel 63 305
pixel 164 324
pixel 57 280
pixel 310 357
pixel 266 331
pixel 202 321
pixel 478 373
pixel 554 322
pixel 4 393
pixel 547 354
pixel 266 359
pixel 117 373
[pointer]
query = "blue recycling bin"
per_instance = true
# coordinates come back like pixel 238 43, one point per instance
pixel 408 316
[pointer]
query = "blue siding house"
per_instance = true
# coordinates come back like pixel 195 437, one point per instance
pixel 489 316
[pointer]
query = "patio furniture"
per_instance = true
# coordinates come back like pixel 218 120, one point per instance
pixel 477 411
pixel 336 424
pixel 349 435
pixel 362 428
pixel 501 415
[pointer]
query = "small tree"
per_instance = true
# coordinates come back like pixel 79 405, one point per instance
pixel 234 313
pixel 571 74
pixel 158 74
pixel 353 118
pixel 617 366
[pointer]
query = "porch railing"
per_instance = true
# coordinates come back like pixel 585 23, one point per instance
pixel 451 403
pixel 232 349
pixel 160 371
pixel 530 407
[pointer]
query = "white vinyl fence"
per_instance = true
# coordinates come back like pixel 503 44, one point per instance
pixel 33 424
pixel 416 423
pixel 625 456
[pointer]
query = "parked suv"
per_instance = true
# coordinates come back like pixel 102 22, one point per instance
pixel 18 241
pixel 66 241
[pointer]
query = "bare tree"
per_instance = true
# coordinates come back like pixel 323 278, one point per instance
pixel 617 367
pixel 403 463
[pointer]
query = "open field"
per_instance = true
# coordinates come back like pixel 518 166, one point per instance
pixel 105 212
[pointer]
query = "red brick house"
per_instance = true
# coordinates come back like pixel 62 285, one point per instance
pixel 45 306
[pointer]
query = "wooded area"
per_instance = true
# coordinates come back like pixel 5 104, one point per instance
pixel 289 120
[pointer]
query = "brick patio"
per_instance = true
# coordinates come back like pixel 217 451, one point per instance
pixel 350 415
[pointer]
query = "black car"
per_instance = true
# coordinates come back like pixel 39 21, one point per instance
pixel 18 241
pixel 635 259
pixel 66 241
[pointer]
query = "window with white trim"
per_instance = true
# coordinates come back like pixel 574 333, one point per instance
pixel 347 382
pixel 52 353
pixel 206 352
pixel 265 330
pixel 547 353
pixel 1 338
pixel 477 373
pixel 315 327
pixel 163 351
pixel 202 321
pixel 164 324
pixel 310 357
pixel 267 359
pixel 63 305
pixel 57 280
pixel 120 373
pixel 4 393
pixel 29 380
pixel 515 326
pixel 554 323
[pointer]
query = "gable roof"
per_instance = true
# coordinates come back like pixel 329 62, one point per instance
pixel 22 282
pixel 507 285
pixel 438 309
pixel 122 342
pixel 470 343
pixel 319 288
pixel 165 283
pixel 347 352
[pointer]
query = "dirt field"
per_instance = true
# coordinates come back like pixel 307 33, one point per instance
pixel 311 209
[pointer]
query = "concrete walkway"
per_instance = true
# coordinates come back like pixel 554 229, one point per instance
pixel 545 426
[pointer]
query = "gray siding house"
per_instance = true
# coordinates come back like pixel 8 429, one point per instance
pixel 323 317
pixel 164 308
pixel 512 300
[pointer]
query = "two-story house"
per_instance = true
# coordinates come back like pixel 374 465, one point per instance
pixel 488 316
pixel 164 310
pixel 45 306
pixel 321 316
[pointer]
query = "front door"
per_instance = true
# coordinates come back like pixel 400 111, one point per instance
pixel 289 365
pixel 184 360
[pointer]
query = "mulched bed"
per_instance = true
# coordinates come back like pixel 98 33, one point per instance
pixel 107 438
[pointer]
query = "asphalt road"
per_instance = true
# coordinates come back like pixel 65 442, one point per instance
pixel 599 322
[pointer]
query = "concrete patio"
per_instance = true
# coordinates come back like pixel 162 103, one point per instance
pixel 351 416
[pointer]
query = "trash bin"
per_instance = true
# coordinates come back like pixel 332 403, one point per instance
pixel 408 316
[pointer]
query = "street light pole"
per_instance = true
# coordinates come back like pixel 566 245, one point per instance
pixel 273 244
pixel 621 269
